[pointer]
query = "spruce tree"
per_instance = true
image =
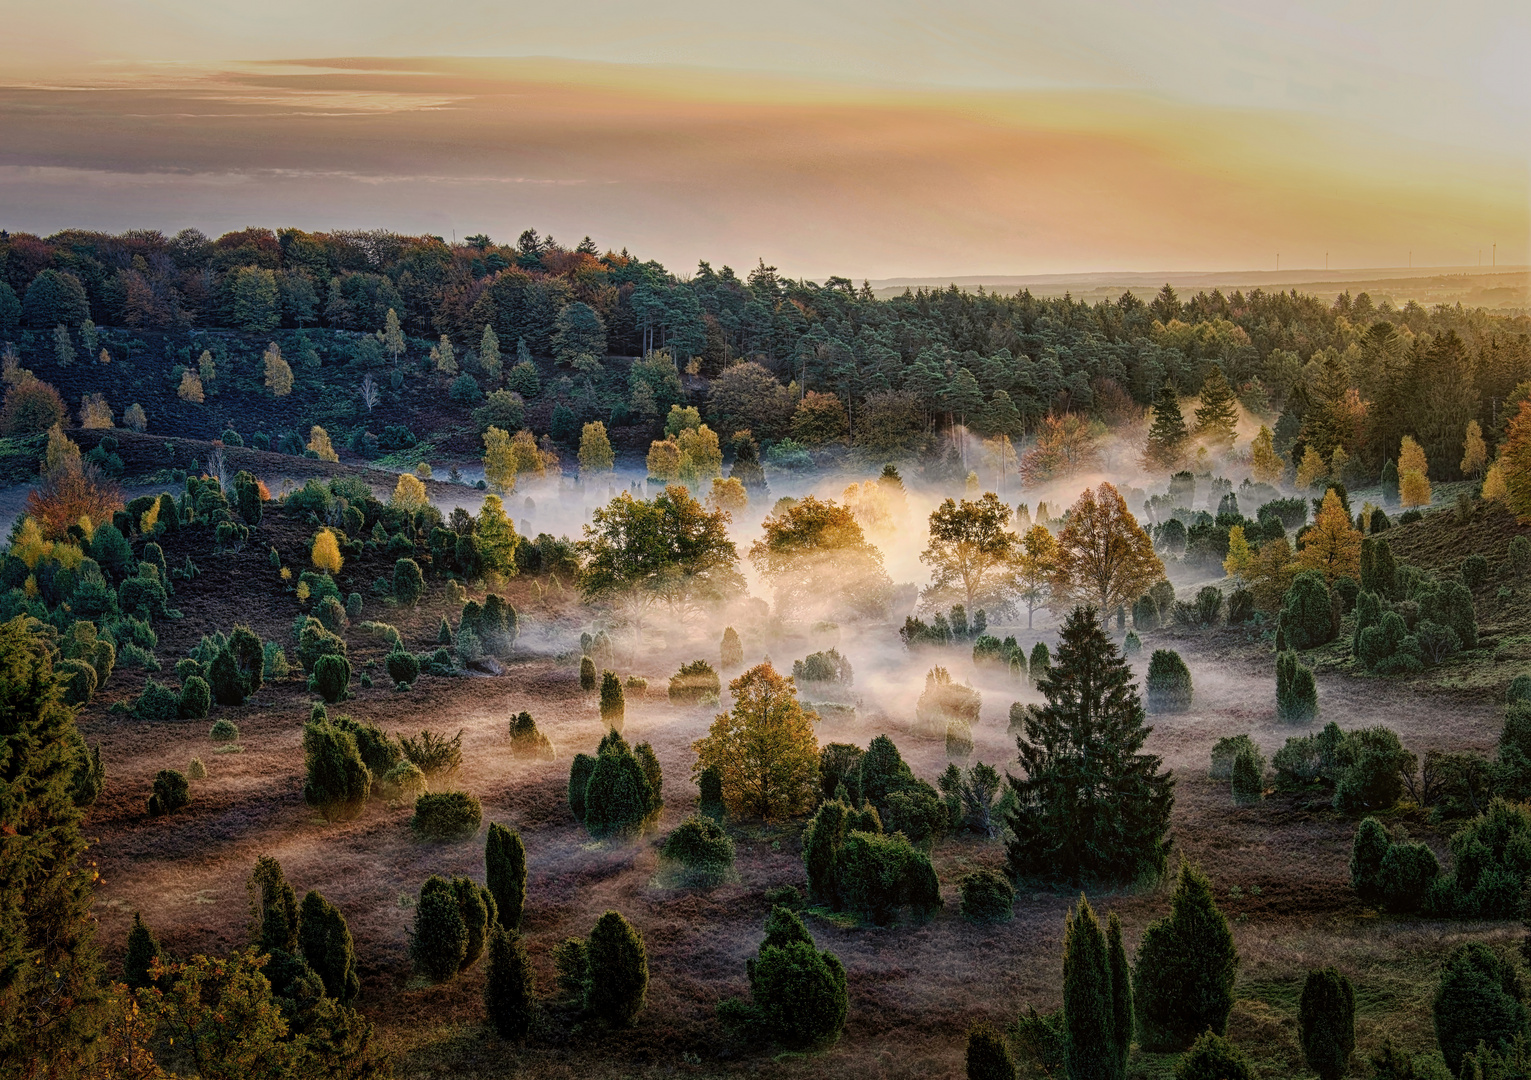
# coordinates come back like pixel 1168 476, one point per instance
pixel 1091 806
pixel 1167 434
pixel 1326 1023
pixel 325 941
pixel 1218 414
pixel 988 1056
pixel 1182 983
pixel 618 971
pixel 510 989
pixel 505 873
pixel 143 950
pixel 1090 1049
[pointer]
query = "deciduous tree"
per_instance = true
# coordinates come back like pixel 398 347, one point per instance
pixel 814 554
pixel 972 552
pixel 764 748
pixel 1333 545
pixel 1104 556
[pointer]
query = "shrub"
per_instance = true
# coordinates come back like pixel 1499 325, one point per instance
pixel 695 682
pixel 731 651
pixel 700 845
pixel 403 668
pixel 943 702
pixel 143 950
pixel 1367 852
pixel 1477 1001
pixel 613 707
pixel 710 794
pixel 1409 873
pixel 331 678
pixel 476 905
pixel 1182 983
pixel 1209 605
pixel 380 752
pixel 325 941
pixel 579 783
pixel 1306 619
pixel 337 780
pixel 314 641
pixel 403 781
pixel 798 993
pixel 1145 613
pixel 987 897
pixel 1492 856
pixel 157 703
pixel 1451 605
pixel 510 989
pixel 881 874
pixel 505 873
pixel 1474 571
pixel 275 658
pixel 1224 751
pixel 171 792
pixel 1326 1023
pixel 1371 766
pixel 446 815
pixel 586 674
pixel 78 679
pixel 1248 779
pixel 526 740
pixel 1212 1057
pixel 823 667
pixel 1296 689
pixel 1132 644
pixel 196 770
pixel 573 967
pixel 917 812
pixel 1168 683
pixel 440 937
pixel 988 1055
pixel 408 582
pixel 225 731
pixel 1519 690
pixel 332 613
pixel 618 796
pixel 1307 759
pixel 617 969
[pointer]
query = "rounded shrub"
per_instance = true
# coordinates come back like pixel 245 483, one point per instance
pixel 171 792
pixel 799 992
pixel 618 970
pixel 1212 1057
pixel 224 731
pixel 196 699
pixel 440 937
pixel 527 741
pixel 403 668
pixel 332 614
pixel 337 780
pixel 617 797
pixel 731 650
pixel 1326 1023
pixel 157 703
pixel 1367 852
pixel 694 683
pixel 987 897
pixel 196 770
pixel 1477 1000
pixel 1168 683
pixel 408 582
pixel 1474 571
pixel 1306 619
pixel 1132 644
pixel 988 1054
pixel 446 815
pixel 79 680
pixel 325 941
pixel 331 678
pixel 510 989
pixel 404 780
pixel 1518 690
pixel 700 845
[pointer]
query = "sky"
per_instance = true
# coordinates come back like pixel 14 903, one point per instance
pixel 865 139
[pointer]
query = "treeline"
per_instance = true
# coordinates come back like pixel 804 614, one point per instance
pixel 901 369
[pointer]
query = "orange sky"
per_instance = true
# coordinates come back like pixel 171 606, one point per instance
pixel 814 177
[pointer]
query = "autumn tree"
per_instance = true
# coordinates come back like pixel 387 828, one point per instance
pixel 392 335
pixel 1065 447
pixel 668 550
pixel 1265 465
pixel 325 552
pixel 728 495
pixel 1413 474
pixel 1035 567
pixel 972 552
pixel 1515 463
pixel 408 494
pixel 444 357
pixel 319 443
pixel 278 374
pixel 664 460
pixel 31 406
pixel 499 461
pixel 489 355
pixel 1218 414
pixel 764 748
pixel 1474 451
pixel 1104 557
pixel 1333 545
pixel 814 554
pixel 1167 435
pixel 191 388
pixel 595 453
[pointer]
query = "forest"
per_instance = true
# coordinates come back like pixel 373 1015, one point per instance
pixel 425 658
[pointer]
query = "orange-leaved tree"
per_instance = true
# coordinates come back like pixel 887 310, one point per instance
pixel 1515 463
pixel 814 553
pixel 1105 559
pixel 1333 545
pixel 763 748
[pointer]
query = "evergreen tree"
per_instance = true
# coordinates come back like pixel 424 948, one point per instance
pixel 1182 983
pixel 338 781
pixel 1090 1049
pixel 1479 999
pixel 273 908
pixel 1167 435
pixel 440 937
pixel 510 989
pixel 586 674
pixel 1218 414
pixel 325 940
pixel 1121 992
pixel 618 970
pixel 1212 1057
pixel 988 1055
pixel 1091 806
pixel 474 901
pixel 613 704
pixel 1326 1023
pixel 505 873
pixel 143 950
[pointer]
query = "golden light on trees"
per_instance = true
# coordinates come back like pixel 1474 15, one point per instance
pixel 278 374
pixel 325 553
pixel 1333 545
pixel 499 461
pixel 1105 559
pixel 764 748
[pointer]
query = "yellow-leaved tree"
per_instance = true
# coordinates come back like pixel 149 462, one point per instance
pixel 499 461
pixel 408 493
pixel 326 552
pixel 278 374
pixel 664 460
pixel 1312 470
pixel 728 495
pixel 1035 567
pixel 1333 544
pixel 764 748
pixel 319 443
pixel 1265 465
pixel 701 458
pixel 1240 560
pixel 190 388
pixel 1105 559
pixel 1413 474
pixel 1474 451
pixel 497 538
pixel 595 453
pixel 524 455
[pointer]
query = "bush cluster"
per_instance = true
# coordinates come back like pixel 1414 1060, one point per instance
pixel 526 740
pixel 694 684
pixel 701 848
pixel 619 790
pixel 446 815
pixel 797 993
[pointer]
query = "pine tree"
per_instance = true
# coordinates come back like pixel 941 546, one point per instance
pixel 143 950
pixel 1326 1023
pixel 325 940
pixel 618 970
pixel 1218 414
pixel 1167 435
pixel 1091 806
pixel 505 873
pixel 510 989
pixel 1090 1050
pixel 1182 983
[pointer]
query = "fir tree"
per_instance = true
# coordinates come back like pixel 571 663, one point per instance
pixel 505 873
pixel 1091 806
pixel 1218 414
pixel 510 988
pixel 143 950
pixel 1182 984
pixel 1167 435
